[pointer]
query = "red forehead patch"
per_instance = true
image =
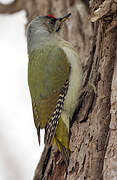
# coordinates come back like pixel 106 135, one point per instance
pixel 51 16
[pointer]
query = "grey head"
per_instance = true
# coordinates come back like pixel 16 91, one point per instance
pixel 42 29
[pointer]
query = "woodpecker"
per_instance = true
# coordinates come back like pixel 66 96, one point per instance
pixel 54 78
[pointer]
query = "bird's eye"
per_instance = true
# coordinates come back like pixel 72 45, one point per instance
pixel 52 21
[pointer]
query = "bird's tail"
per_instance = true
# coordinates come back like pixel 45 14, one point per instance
pixel 61 138
pixel 65 152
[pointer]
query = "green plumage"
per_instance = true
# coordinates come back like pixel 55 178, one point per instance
pixel 54 78
pixel 48 71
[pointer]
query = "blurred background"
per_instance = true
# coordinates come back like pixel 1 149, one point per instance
pixel 19 149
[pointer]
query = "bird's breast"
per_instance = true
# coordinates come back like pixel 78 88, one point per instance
pixel 75 81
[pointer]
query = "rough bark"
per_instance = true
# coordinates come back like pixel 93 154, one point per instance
pixel 93 141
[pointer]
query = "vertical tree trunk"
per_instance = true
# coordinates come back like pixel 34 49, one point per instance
pixel 93 141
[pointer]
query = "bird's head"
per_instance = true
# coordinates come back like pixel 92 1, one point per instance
pixel 47 23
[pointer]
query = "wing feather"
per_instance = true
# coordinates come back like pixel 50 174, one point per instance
pixel 48 72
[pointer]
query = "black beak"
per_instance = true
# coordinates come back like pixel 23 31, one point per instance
pixel 64 18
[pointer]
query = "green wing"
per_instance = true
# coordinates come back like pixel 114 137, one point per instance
pixel 48 71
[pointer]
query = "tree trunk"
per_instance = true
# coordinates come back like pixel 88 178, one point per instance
pixel 92 30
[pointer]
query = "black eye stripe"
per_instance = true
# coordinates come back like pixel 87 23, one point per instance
pixel 53 21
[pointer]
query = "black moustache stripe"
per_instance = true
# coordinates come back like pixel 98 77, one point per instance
pixel 58 29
